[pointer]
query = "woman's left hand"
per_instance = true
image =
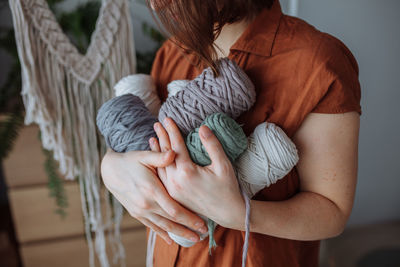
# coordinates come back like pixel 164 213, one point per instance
pixel 212 190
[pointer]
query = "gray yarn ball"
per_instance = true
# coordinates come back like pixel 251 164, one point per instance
pixel 232 93
pixel 126 123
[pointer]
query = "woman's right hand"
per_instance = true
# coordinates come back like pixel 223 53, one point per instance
pixel 132 178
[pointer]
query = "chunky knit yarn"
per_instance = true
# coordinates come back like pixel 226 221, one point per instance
pixel 231 93
pixel 126 123
pixel 270 156
pixel 228 132
pixel 175 86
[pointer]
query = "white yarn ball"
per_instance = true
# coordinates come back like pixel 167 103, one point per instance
pixel 186 242
pixel 270 155
pixel 143 86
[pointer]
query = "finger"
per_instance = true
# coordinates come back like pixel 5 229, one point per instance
pixel 177 142
pixel 154 145
pixel 175 228
pixel 213 147
pixel 163 138
pixel 177 213
pixel 160 171
pixel 162 135
pixel 163 234
pixel 156 159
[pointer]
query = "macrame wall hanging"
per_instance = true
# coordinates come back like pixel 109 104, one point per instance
pixel 62 91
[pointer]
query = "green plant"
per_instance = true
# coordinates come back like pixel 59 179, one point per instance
pixel 55 184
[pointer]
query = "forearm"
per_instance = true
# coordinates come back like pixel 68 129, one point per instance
pixel 305 216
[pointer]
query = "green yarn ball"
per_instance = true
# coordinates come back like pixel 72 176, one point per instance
pixel 229 134
pixel 233 141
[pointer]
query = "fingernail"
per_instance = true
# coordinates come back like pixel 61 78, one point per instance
pixel 202 230
pixel 198 224
pixel 169 242
pixel 166 121
pixel 194 239
pixel 206 132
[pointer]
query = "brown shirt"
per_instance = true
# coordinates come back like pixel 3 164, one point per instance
pixel 296 70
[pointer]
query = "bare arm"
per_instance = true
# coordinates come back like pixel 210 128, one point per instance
pixel 328 150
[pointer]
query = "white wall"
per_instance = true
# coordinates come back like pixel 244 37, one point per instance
pixel 370 28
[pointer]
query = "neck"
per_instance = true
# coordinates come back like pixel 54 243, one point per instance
pixel 230 33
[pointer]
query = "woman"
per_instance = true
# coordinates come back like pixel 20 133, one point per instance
pixel 306 83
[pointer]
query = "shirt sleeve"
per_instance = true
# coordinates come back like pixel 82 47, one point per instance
pixel 343 93
pixel 341 97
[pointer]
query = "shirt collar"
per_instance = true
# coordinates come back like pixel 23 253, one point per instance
pixel 258 38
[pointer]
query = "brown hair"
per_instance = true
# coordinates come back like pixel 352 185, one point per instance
pixel 195 24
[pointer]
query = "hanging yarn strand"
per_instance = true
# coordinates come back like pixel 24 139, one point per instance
pixel 62 90
pixel 246 225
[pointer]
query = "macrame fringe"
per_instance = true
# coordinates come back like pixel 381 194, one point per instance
pixel 63 100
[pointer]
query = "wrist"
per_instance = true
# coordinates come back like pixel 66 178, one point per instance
pixel 236 216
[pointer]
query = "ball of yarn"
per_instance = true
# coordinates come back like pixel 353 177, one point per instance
pixel 231 93
pixel 186 242
pixel 229 134
pixel 126 123
pixel 175 86
pixel 270 155
pixel 143 86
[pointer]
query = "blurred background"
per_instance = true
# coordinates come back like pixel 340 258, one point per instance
pixel 41 222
